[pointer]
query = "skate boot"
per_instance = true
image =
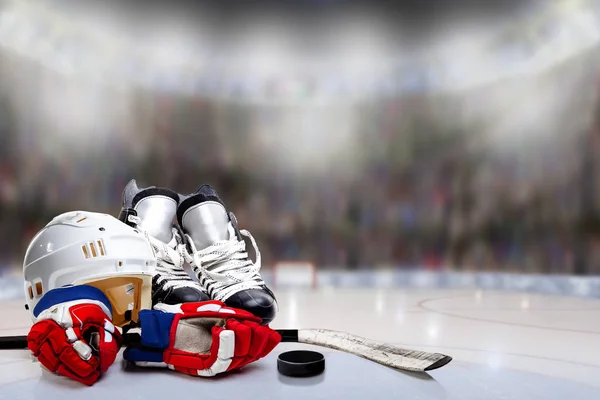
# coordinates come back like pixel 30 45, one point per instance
pixel 217 253
pixel 152 210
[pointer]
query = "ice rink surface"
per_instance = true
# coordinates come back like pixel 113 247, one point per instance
pixel 505 346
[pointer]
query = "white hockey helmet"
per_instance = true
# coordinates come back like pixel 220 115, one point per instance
pixel 82 247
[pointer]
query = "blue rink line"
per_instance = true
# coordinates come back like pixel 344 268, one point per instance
pixel 560 285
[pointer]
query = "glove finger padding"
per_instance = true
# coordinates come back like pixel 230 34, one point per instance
pixel 81 352
pixel 252 341
pixel 202 339
pixel 49 344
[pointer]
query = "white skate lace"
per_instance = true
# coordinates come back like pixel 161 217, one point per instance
pixel 170 258
pixel 224 267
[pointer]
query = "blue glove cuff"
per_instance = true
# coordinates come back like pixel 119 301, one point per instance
pixel 146 355
pixel 156 330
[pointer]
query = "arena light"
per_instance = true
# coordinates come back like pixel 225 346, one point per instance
pixel 475 64
pixel 363 50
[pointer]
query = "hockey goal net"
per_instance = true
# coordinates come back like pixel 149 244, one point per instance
pixel 294 274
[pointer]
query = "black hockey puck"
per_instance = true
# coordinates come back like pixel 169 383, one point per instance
pixel 300 363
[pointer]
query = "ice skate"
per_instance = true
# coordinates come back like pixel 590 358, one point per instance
pixel 152 210
pixel 217 253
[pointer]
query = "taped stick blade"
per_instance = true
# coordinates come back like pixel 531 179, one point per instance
pixel 440 363
pixel 381 353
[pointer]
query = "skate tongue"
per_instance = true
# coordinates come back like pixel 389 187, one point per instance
pixel 206 223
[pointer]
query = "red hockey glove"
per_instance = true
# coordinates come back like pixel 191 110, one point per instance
pixel 200 339
pixel 75 338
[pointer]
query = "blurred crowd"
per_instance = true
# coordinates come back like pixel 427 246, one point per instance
pixel 468 180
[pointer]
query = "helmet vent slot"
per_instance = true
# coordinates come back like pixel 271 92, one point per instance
pixel 101 248
pixel 86 253
pixel 93 249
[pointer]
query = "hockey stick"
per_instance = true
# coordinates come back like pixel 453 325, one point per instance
pixel 381 353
